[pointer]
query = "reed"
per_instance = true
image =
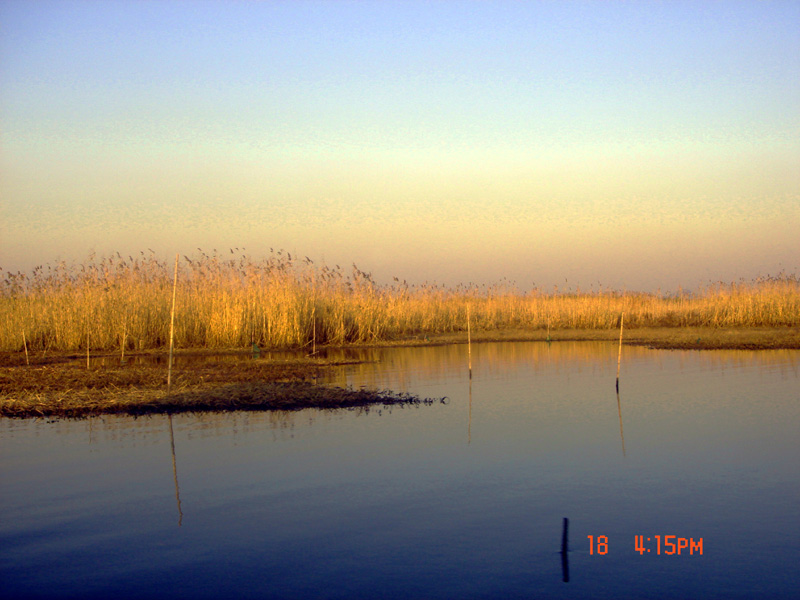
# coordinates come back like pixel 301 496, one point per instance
pixel 279 301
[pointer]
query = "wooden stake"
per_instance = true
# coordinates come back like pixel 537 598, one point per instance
pixel 25 344
pixel 469 345
pixel 314 321
pixel 124 335
pixel 619 356
pixel 172 325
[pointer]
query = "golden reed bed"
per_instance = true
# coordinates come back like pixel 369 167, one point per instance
pixel 224 301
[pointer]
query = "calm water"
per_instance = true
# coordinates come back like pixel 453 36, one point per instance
pixel 461 499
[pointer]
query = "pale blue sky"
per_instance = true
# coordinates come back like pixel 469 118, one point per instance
pixel 637 144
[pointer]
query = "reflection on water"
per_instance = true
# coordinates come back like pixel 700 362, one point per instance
pixel 469 419
pixel 565 552
pixel 393 369
pixel 464 499
pixel 175 471
pixel 621 432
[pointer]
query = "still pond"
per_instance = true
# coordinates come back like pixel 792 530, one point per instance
pixel 685 485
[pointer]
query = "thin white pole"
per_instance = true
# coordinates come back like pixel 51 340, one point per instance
pixel 25 344
pixel 172 325
pixel 619 356
pixel 469 344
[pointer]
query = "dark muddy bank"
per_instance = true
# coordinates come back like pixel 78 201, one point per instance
pixel 63 387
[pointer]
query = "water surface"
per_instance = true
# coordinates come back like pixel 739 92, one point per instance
pixel 459 499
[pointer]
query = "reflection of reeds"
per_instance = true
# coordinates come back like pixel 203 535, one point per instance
pixel 504 360
pixel 281 302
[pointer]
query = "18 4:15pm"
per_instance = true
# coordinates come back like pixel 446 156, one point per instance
pixel 657 544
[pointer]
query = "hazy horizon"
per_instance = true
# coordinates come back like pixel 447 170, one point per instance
pixel 631 146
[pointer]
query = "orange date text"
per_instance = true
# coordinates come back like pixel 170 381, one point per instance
pixel 656 544
pixel 667 544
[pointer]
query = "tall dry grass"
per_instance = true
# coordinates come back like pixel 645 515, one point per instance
pixel 233 301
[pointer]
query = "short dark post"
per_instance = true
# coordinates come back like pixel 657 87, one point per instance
pixel 564 551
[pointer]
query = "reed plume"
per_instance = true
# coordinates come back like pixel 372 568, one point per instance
pixel 235 301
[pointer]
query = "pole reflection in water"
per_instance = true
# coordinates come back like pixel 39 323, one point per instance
pixel 175 471
pixel 565 551
pixel 469 422
pixel 621 434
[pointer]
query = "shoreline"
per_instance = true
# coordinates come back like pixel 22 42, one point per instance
pixel 59 385
pixel 657 338
pixel 67 389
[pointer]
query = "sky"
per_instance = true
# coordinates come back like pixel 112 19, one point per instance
pixel 624 145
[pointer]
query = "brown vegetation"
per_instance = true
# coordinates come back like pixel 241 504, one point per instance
pixel 68 389
pixel 123 304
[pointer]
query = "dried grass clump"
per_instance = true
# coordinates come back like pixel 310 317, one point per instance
pixel 123 304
